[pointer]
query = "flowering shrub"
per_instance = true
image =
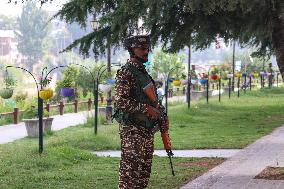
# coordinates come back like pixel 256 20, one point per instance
pixel 44 82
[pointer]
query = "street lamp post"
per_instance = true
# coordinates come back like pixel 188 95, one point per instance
pixel 95 26
pixel 233 79
pixel 189 78
pixel 109 100
pixel 239 78
pixel 40 101
pixel 250 76
pixel 167 87
pixel 220 88
pixel 96 95
pixel 277 78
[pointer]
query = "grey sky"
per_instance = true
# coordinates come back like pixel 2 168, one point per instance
pixel 10 9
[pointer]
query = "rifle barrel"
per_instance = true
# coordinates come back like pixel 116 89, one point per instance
pixel 171 164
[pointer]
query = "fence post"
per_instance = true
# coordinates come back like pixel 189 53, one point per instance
pixel 47 107
pixel 170 93
pixel 76 106
pixel 16 115
pixel 89 104
pixel 61 107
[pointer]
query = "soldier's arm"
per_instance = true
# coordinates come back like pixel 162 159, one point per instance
pixel 164 124
pixel 124 101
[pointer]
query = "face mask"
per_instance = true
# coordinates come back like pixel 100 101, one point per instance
pixel 148 63
pixel 141 59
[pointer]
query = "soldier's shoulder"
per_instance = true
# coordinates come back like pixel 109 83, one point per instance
pixel 124 72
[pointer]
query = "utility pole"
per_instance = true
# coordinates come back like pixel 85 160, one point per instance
pixel 233 81
pixel 188 78
pixel 109 107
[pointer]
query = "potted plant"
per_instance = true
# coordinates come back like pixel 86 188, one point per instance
pixel 178 79
pixel 176 82
pixel 45 93
pixel 32 122
pixel 105 87
pixel 196 92
pixel 228 76
pixel 239 75
pixel 67 89
pixel 214 77
pixel 10 82
pixel 214 74
pixel 203 79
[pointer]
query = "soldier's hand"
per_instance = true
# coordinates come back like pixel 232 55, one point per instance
pixel 152 112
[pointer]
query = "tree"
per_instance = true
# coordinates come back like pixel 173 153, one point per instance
pixel 33 32
pixel 164 62
pixel 180 23
pixel 249 64
pixel 8 23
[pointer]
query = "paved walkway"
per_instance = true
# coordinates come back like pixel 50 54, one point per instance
pixel 183 98
pixel 226 153
pixel 13 132
pixel 238 171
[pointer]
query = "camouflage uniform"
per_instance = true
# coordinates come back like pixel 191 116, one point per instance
pixel 137 142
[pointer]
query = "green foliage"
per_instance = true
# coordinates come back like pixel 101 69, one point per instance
pixel 249 64
pixel 20 96
pixel 9 81
pixel 8 23
pixel 44 82
pixel 33 31
pixel 69 76
pixel 31 112
pixel 66 82
pixel 85 81
pixel 164 62
pixel 215 70
pixel 175 23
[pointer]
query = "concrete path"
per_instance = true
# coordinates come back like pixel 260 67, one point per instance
pixel 13 132
pixel 183 98
pixel 226 153
pixel 239 170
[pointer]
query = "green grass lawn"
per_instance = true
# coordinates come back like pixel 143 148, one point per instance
pixel 68 163
pixel 233 123
pixel 66 166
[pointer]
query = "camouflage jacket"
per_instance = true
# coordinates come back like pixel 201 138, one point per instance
pixel 125 84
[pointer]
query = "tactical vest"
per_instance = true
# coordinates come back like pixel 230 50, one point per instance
pixel 138 94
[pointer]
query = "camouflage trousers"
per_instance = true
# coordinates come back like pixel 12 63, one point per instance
pixel 137 147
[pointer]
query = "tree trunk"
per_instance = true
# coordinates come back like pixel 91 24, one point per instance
pixel 278 35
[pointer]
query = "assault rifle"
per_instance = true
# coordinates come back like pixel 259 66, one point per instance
pixel 149 90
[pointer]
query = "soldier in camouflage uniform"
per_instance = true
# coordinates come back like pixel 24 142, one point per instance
pixel 137 116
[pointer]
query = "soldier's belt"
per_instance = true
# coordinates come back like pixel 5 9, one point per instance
pixel 142 120
pixel 140 117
